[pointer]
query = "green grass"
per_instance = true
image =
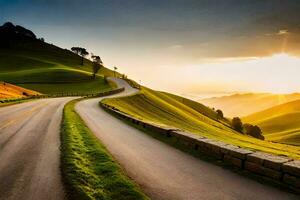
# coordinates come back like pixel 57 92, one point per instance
pixel 45 75
pixel 280 123
pixel 93 86
pixel 49 69
pixel 167 109
pixel 52 81
pixel 89 171
pixel 7 102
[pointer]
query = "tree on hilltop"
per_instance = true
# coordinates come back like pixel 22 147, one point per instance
pixel 237 124
pixel 81 52
pixel 75 50
pixel 115 69
pixel 254 131
pixel 97 64
pixel 220 114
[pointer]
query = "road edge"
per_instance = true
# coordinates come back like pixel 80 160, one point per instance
pixel 272 170
pixel 90 172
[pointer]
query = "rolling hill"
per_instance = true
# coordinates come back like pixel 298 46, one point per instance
pixel 34 64
pixel 280 123
pixel 246 104
pixel 12 91
pixel 171 110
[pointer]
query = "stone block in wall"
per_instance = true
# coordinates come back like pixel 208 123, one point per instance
pixel 291 180
pixel 261 170
pixel 191 135
pixel 268 160
pixel 185 143
pixel 207 146
pixel 233 161
pixel 257 157
pixel 272 173
pixel 228 148
pixel 237 162
pixel 235 151
pixel 215 148
pixel 185 136
pixel 276 162
pixel 175 134
pixel 292 168
pixel 235 155
pixel 156 128
pixel 215 152
pixel 201 142
pixel 254 167
pixel 240 153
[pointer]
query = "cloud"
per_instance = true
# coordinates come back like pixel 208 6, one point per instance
pixel 227 59
pixel 283 32
pixel 176 46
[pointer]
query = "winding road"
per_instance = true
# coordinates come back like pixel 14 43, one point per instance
pixel 29 150
pixel 29 157
pixel 164 172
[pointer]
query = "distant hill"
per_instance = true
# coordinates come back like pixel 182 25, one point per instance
pixel 11 35
pixel 12 91
pixel 246 104
pixel 280 123
pixel 34 64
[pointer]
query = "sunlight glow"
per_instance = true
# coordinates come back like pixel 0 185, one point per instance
pixel 277 74
pixel 282 58
pixel 286 63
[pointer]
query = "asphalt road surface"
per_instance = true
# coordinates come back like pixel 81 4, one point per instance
pixel 29 157
pixel 29 150
pixel 164 172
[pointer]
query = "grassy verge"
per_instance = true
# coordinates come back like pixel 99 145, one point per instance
pixel 89 171
pixel 7 102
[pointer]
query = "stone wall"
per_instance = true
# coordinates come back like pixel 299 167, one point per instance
pixel 282 170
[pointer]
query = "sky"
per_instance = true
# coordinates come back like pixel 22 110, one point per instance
pixel 180 46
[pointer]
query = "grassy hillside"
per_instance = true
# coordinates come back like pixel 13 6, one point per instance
pixel 49 69
pixel 43 67
pixel 8 91
pixel 280 123
pixel 167 109
pixel 246 104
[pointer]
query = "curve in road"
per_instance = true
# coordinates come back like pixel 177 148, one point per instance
pixel 29 150
pixel 164 172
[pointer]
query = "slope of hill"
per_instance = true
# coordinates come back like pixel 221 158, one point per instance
pixel 12 91
pixel 167 109
pixel 34 64
pixel 246 104
pixel 280 123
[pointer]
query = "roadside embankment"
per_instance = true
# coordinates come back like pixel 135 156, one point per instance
pixel 279 169
pixel 89 171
